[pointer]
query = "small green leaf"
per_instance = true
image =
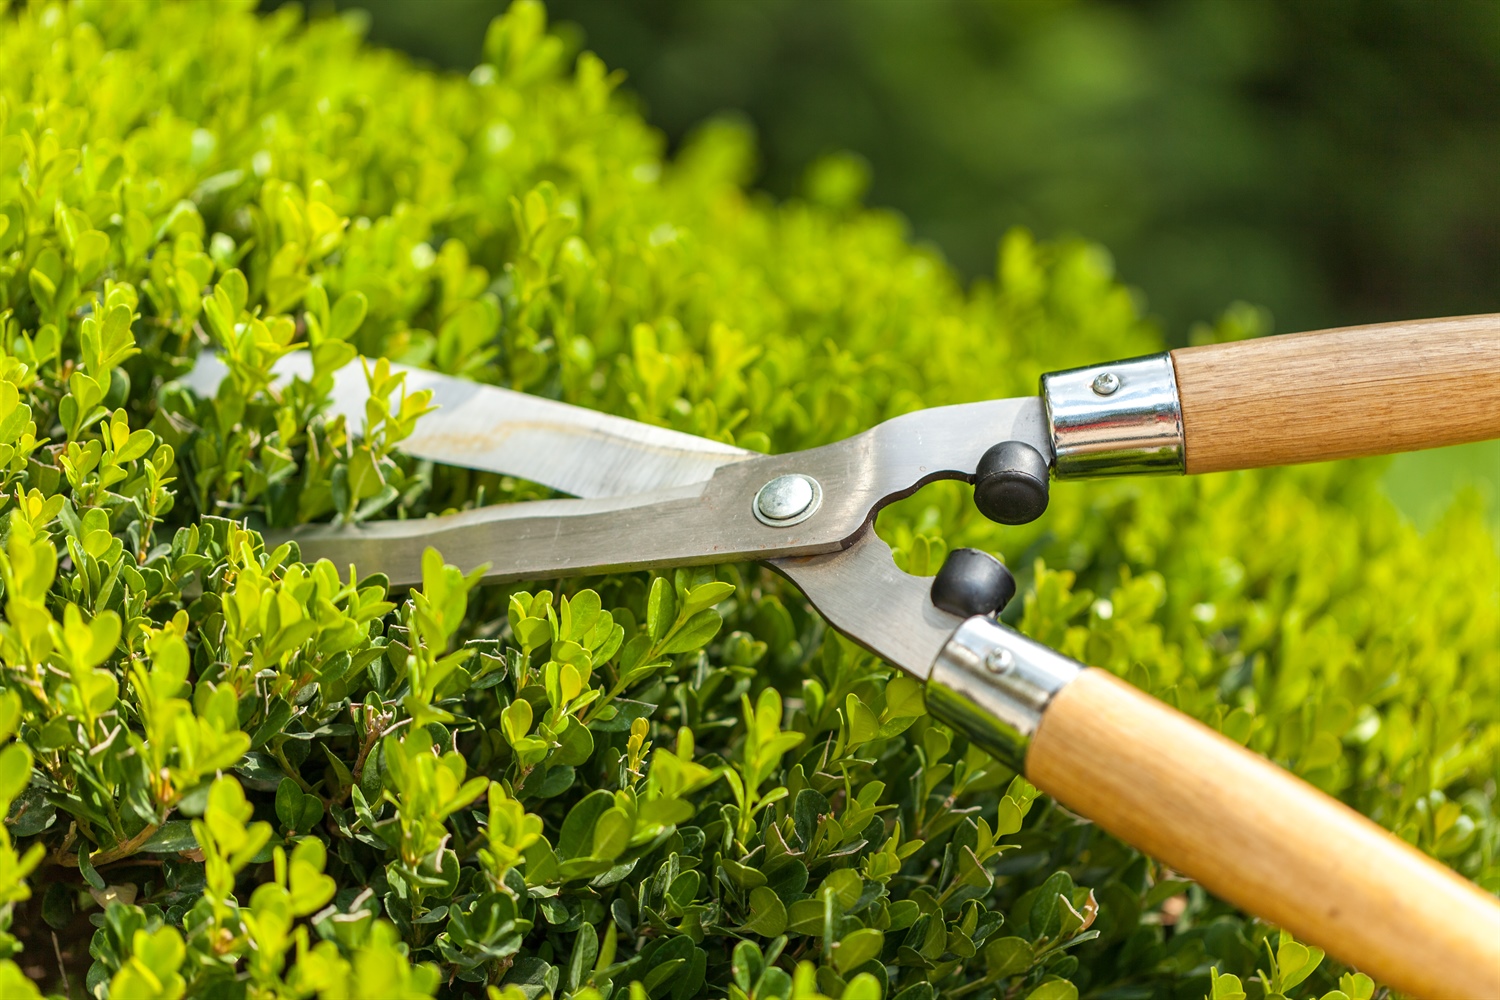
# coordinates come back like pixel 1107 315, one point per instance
pixel 576 839
pixel 611 834
pixel 1295 961
pixel 706 595
pixel 348 314
pixel 1007 956
pixel 857 948
pixel 863 725
pixel 297 811
pixel 1224 986
pixel 661 608
pixel 15 772
pixel 768 914
pixel 695 634
pixel 89 251
pixel 515 719
pixel 86 866
pixel 174 837
pixel 846 886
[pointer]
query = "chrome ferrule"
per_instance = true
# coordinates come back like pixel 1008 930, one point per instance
pixel 994 684
pixel 1117 419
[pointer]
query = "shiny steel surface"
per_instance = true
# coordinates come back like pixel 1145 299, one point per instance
pixel 1133 428
pixel 711 522
pixel 995 684
pixel 864 595
pixel 788 500
pixel 579 451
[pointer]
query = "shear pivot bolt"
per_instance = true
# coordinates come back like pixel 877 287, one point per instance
pixel 1106 384
pixel 787 500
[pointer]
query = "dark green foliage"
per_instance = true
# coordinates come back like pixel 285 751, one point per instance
pixel 1326 160
pixel 236 774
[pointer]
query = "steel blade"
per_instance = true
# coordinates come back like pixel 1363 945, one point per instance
pixel 862 593
pixel 694 524
pixel 569 448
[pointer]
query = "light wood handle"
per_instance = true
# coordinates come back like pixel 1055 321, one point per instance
pixel 1363 390
pixel 1260 838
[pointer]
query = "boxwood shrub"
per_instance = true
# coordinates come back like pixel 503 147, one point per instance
pixel 228 773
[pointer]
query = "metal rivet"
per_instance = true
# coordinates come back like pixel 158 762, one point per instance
pixel 788 500
pixel 1106 384
pixel 1000 661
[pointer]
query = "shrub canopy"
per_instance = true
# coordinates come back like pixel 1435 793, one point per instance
pixel 229 773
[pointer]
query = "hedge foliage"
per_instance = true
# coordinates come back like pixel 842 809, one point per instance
pixel 229 773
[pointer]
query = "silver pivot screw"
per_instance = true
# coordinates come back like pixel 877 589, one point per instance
pixel 1000 661
pixel 1106 384
pixel 788 500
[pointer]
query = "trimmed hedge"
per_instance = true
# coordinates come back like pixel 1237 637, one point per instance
pixel 230 774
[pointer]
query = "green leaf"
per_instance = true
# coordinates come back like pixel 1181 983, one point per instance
pixel 174 837
pixel 86 866
pixel 611 834
pixel 348 314
pixel 1295 961
pixel 89 251
pixel 661 609
pixel 577 746
pixel 695 633
pixel 1007 956
pixel 1008 818
pixel 857 948
pixel 705 595
pixel 515 719
pixel 236 289
pixel 846 886
pixel 15 772
pixel 805 916
pixel 576 840
pixel 581 962
pixel 768 915
pixel 863 725
pixel 1225 987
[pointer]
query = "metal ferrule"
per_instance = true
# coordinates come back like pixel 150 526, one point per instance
pixel 995 684
pixel 1116 419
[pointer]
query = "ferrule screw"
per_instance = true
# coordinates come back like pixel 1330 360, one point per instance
pixel 1000 661
pixel 788 500
pixel 1106 384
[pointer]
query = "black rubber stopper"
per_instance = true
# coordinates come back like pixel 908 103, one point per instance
pixel 971 583
pixel 1010 485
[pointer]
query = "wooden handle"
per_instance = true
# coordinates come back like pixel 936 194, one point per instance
pixel 1363 390
pixel 1260 838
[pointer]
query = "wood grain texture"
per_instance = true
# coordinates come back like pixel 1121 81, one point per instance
pixel 1260 838
pixel 1363 390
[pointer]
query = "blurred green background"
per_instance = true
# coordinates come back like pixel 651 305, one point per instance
pixel 1332 162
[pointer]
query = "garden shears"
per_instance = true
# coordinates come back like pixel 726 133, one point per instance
pixel 646 497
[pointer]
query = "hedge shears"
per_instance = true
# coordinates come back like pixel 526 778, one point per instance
pixel 647 497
